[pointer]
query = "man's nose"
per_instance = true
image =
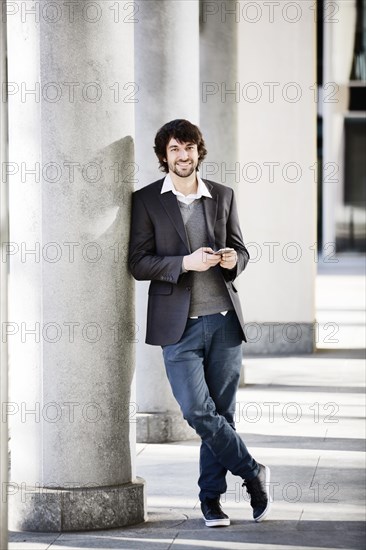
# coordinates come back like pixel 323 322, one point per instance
pixel 183 154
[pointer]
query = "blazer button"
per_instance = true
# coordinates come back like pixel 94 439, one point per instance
pixel 188 288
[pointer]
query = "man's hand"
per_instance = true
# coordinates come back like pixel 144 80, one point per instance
pixel 201 259
pixel 229 259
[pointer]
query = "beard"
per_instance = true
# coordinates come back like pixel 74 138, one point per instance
pixel 183 172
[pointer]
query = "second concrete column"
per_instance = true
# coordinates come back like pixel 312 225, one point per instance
pixel 167 73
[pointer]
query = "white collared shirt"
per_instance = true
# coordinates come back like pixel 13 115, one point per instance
pixel 202 190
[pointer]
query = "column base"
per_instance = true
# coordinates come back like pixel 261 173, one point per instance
pixel 83 509
pixel 162 428
pixel 279 338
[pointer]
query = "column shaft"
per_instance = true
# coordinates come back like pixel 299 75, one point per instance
pixel 71 296
pixel 277 191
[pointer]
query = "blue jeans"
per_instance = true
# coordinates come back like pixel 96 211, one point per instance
pixel 203 369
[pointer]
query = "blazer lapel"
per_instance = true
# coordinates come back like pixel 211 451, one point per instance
pixel 170 203
pixel 210 208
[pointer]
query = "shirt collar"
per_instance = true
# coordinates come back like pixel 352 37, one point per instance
pixel 202 190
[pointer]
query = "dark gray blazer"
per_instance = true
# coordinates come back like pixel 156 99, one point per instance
pixel 158 243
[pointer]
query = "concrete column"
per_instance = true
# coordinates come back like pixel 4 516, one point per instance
pixel 166 71
pixel 4 273
pixel 338 56
pixel 277 191
pixel 71 314
pixel 219 90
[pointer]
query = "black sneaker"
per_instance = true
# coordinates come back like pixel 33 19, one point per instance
pixel 258 490
pixel 213 514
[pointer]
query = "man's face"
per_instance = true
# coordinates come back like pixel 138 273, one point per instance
pixel 182 158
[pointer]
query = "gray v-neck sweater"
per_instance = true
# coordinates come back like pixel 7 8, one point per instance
pixel 209 293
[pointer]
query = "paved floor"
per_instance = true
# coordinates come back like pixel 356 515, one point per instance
pixel 304 417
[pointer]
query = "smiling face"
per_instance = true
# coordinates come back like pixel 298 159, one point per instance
pixel 182 158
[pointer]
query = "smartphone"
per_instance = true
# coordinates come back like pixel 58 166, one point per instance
pixel 223 250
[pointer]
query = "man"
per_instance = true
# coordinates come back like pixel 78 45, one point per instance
pixel 178 225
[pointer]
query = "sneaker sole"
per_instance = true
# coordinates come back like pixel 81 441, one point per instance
pixel 217 522
pixel 265 513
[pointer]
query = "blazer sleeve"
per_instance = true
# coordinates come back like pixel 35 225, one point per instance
pixel 143 261
pixel 234 239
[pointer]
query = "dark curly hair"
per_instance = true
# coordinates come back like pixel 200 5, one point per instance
pixel 183 131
